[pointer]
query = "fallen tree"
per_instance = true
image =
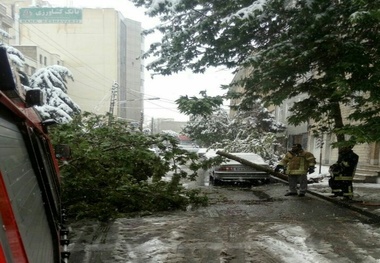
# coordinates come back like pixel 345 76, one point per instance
pixel 275 175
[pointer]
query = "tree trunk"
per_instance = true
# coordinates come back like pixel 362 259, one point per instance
pixel 338 120
pixel 256 166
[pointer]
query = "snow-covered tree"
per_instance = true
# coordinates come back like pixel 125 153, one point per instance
pixel 252 129
pixel 170 133
pixel 15 56
pixel 52 80
pixel 4 34
pixel 326 49
pixel 206 118
pixel 207 130
pixel 256 116
pixel 58 105
pixel 17 60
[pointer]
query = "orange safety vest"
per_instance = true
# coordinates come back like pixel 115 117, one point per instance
pixel 297 163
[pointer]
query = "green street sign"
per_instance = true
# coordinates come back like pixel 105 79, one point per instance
pixel 38 15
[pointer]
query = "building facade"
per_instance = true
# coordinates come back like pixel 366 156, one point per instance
pixel 100 47
pixel 321 146
pixel 6 22
pixel 166 124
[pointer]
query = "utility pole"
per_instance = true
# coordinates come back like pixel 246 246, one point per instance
pixel 114 91
pixel 141 120
pixel 152 126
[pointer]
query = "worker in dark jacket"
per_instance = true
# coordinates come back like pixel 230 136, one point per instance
pixel 297 163
pixel 342 173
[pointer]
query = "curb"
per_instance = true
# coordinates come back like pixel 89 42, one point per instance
pixel 346 205
pixel 339 202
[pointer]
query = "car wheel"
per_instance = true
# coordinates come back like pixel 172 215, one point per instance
pixel 267 181
pixel 213 181
pixel 255 182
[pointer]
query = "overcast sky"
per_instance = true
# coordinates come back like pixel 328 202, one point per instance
pixel 168 88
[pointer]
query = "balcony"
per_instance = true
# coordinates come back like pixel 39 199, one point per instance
pixel 3 10
pixel 5 20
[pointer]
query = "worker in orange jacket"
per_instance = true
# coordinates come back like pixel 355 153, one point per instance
pixel 297 163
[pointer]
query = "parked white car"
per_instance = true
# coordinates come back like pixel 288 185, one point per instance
pixel 231 170
pixel 189 147
pixel 201 152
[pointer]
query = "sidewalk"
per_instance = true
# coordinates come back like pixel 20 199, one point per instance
pixel 366 198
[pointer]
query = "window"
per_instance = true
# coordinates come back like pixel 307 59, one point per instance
pixel 40 59
pixel 45 60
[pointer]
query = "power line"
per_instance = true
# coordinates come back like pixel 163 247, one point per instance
pixel 69 54
pixel 84 84
pixel 96 74
pixel 93 72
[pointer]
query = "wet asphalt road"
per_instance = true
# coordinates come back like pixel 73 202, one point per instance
pixel 241 224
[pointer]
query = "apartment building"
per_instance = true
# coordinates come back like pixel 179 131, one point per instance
pixel 100 47
pixel 6 23
pixel 321 147
pixel 36 58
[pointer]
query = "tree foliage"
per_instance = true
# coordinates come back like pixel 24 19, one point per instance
pixel 326 49
pixel 206 118
pixel 207 130
pixel 252 129
pixel 17 61
pixel 204 106
pixel 113 170
pixel 52 80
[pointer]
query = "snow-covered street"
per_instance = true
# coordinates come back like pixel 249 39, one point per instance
pixel 242 224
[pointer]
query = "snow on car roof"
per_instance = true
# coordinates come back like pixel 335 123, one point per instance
pixel 251 157
pixel 211 153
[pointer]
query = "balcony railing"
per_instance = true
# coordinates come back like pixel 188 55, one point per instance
pixel 4 18
pixel 3 10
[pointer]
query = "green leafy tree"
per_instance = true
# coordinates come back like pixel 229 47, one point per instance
pixel 113 171
pixel 326 49
pixel 252 129
pixel 208 122
pixel 208 130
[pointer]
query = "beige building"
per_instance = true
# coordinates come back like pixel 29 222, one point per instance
pixel 100 47
pixel 369 154
pixel 6 22
pixel 161 124
pixel 36 58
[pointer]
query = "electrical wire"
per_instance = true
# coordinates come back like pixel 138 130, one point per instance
pixel 95 74
pixel 93 71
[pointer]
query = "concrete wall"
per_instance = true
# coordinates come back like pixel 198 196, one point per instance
pixel 103 49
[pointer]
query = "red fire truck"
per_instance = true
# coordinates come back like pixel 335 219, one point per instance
pixel 33 221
